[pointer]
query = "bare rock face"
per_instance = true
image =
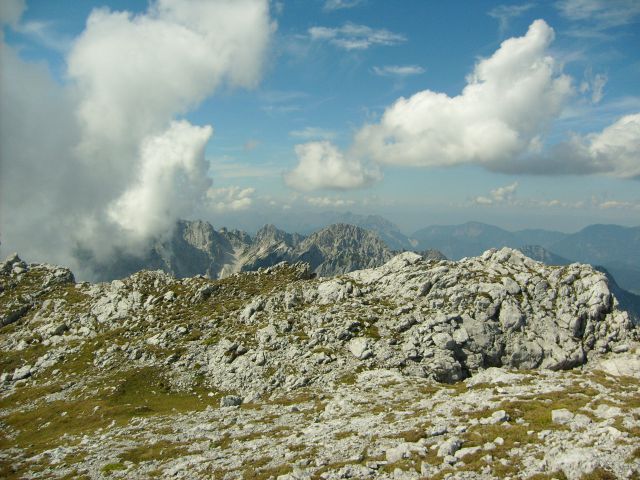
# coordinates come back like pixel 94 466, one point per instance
pixel 268 345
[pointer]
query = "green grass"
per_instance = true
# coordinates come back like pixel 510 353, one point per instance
pixel 162 450
pixel 112 467
pixel 138 392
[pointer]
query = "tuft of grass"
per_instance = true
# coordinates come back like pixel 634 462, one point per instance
pixel 599 474
pixel 158 451
pixel 112 467
pixel 137 392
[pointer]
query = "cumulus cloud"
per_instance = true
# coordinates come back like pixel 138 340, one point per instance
pixel 398 70
pixel 172 176
pixel 499 121
pixel 613 151
pixel 509 99
pixel 113 164
pixel 498 196
pixel 135 72
pixel 321 165
pixel 229 199
pixel 351 36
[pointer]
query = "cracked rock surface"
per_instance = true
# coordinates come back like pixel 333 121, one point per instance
pixel 490 367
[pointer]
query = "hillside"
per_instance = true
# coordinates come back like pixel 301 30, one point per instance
pixel 496 365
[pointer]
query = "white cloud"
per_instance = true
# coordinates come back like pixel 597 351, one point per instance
pixel 505 13
pixel 172 177
pixel 229 199
pixel 11 11
pixel 510 98
pixel 355 37
pixel 322 166
pixel 499 196
pixel 398 70
pixel 112 165
pixel 329 202
pixel 604 13
pixel 45 34
pixel 594 84
pixel 309 133
pixel 613 151
pixel 597 87
pixel 136 72
pixel 340 4
pixel 42 186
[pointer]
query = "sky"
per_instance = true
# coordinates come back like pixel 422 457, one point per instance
pixel 119 117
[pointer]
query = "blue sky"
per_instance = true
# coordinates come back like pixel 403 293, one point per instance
pixel 310 116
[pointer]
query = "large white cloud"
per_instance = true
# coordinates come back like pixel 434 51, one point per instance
pixel 136 72
pixel 510 99
pixel 322 166
pixel 172 175
pixel 613 151
pixel 105 151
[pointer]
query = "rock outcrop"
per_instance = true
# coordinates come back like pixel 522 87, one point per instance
pixel 418 363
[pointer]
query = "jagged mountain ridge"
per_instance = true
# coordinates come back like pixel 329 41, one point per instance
pixel 146 376
pixel 196 248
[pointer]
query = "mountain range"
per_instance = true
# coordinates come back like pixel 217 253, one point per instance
pixel 197 248
pixel 614 247
pixel 364 241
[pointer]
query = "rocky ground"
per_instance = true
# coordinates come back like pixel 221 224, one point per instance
pixel 490 367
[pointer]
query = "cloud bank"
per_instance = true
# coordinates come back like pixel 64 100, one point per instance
pixel 114 162
pixel 499 121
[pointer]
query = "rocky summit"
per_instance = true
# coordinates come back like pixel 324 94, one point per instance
pixel 490 367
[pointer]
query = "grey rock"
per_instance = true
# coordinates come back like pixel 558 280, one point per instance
pixel 21 373
pixel 449 447
pixel 359 347
pixel 230 401
pixel 561 416
pixel 574 463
